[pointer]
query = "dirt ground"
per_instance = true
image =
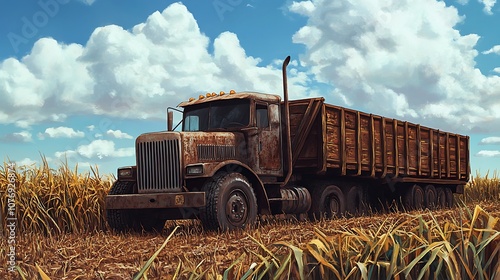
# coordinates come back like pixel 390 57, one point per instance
pixel 107 255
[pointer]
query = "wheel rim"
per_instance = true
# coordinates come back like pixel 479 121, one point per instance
pixel 419 198
pixel 333 206
pixel 431 199
pixel 441 199
pixel 237 208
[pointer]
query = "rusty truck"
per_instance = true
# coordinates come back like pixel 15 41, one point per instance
pixel 245 154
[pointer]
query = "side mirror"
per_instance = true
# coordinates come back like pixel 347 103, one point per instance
pixel 170 118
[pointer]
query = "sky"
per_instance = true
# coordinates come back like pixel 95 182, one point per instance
pixel 81 79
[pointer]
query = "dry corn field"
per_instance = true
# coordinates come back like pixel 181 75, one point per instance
pixel 61 233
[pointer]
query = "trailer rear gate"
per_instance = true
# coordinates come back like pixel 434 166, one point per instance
pixel 350 142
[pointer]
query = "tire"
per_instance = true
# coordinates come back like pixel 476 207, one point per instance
pixel 414 198
pixel 327 202
pixel 230 203
pixel 122 220
pixel 441 198
pixel 355 205
pixel 450 201
pixel 430 197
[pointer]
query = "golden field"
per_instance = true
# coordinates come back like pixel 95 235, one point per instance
pixel 61 233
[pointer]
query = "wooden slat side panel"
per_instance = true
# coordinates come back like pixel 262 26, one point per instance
pixel 379 150
pixel 442 155
pixel 401 146
pixel 435 154
pixel 463 155
pixel 333 143
pixel 297 111
pixel 452 144
pixel 311 156
pixel 412 149
pixel 351 139
pixel 425 152
pixel 389 144
pixel 365 142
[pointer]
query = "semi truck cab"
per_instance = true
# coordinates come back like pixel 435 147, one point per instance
pixel 237 134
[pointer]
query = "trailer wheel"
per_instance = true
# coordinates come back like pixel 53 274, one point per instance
pixel 413 198
pixel 441 198
pixel 230 202
pixel 355 205
pixel 132 219
pixel 430 197
pixel 327 201
pixel 450 201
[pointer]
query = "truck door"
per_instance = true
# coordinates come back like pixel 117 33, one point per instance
pixel 268 126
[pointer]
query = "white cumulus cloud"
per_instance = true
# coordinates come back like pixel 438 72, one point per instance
pixel 118 134
pixel 490 140
pixel 26 162
pixel 97 149
pixel 16 137
pixel 133 73
pixel 488 153
pixel 61 132
pixel 488 5
pixel 494 49
pixel 403 59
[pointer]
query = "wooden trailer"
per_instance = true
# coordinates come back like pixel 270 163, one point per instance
pixel 337 141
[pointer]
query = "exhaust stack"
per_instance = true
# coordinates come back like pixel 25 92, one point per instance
pixel 287 125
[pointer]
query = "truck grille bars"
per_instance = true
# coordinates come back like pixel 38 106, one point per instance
pixel 216 152
pixel 158 165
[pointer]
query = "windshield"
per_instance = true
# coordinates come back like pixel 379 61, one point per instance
pixel 220 115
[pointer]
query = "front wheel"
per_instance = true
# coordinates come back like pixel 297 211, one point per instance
pixel 230 202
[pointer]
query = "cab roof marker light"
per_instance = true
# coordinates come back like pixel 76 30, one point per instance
pixel 191 99
pixel 201 96
pixel 232 91
pixel 221 93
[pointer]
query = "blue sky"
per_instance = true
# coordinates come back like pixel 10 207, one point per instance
pixel 79 80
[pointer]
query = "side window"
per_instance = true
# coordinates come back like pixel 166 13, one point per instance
pixel 191 123
pixel 262 116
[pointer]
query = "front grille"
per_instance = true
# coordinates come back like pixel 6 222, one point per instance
pixel 158 166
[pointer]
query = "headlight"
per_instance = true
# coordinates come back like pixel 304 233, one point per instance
pixel 125 172
pixel 194 169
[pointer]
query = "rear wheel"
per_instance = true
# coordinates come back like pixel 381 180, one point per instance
pixel 132 219
pixel 441 198
pixel 327 201
pixel 355 201
pixel 450 202
pixel 413 198
pixel 430 197
pixel 230 202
